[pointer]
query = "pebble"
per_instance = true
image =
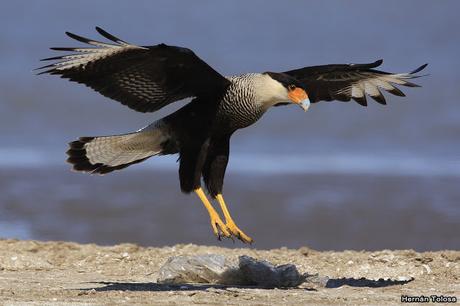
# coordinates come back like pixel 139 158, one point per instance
pixel 427 268
pixel 403 278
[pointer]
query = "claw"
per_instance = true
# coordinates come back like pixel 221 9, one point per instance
pixel 230 224
pixel 219 228
pixel 236 232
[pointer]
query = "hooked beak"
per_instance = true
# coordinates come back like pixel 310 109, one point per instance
pixel 300 97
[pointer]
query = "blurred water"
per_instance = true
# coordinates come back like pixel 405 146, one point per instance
pixel 328 211
pixel 413 139
pixel 272 163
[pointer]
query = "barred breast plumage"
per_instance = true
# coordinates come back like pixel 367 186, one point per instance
pixel 239 107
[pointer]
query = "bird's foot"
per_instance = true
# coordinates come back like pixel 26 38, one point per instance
pixel 218 227
pixel 230 224
pixel 235 231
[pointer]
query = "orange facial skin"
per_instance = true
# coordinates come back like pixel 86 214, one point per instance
pixel 300 97
pixel 297 95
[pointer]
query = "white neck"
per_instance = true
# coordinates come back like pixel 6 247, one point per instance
pixel 269 91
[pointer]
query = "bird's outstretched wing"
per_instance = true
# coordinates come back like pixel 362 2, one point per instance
pixel 351 81
pixel 143 78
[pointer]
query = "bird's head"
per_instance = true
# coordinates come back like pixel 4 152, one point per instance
pixel 291 90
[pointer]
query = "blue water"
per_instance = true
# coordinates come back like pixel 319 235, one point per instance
pixel 270 163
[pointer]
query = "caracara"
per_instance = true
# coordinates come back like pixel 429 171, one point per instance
pixel 147 78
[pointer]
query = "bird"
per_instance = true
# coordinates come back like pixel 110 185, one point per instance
pixel 147 78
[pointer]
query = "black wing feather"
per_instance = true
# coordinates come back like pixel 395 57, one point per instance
pixel 344 82
pixel 143 78
pixel 110 36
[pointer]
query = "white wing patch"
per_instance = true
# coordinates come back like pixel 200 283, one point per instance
pixel 90 55
pixel 84 56
pixel 357 90
pixel 382 84
pixel 371 89
pixel 373 83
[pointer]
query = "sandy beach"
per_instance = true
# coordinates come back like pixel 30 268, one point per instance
pixel 64 273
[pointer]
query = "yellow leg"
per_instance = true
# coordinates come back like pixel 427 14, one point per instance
pixel 216 222
pixel 230 223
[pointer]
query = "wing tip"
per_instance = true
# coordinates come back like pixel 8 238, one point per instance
pixel 102 31
pixel 377 63
pixel 361 100
pixel 109 36
pixel 380 98
pixel 367 65
pixel 397 92
pixel 419 69
pixel 73 36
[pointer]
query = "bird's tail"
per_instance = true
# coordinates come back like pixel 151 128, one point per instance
pixel 105 154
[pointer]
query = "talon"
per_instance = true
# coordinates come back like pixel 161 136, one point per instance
pixel 230 224
pixel 239 233
pixel 219 228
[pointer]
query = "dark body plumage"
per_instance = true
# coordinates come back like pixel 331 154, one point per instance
pixel 149 77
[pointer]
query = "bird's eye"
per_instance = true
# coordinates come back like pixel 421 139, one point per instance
pixel 291 87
